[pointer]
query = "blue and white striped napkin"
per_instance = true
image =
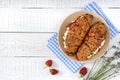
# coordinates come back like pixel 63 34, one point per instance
pixel 53 41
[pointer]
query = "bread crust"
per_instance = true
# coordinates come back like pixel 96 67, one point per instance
pixel 77 32
pixel 93 40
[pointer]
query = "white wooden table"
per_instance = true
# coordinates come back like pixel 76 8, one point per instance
pixel 26 25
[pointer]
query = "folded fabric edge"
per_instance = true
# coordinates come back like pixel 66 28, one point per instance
pixel 53 36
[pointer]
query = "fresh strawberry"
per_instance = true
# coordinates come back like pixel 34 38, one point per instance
pixel 77 19
pixel 83 71
pixel 49 63
pixel 69 25
pixel 54 71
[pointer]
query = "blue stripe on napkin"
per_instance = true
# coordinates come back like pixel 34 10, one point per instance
pixel 53 41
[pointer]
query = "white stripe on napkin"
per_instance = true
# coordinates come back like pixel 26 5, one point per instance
pixel 53 41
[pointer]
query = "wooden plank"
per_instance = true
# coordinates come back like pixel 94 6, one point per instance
pixel 24 44
pixel 41 20
pixel 33 68
pixel 27 20
pixel 56 3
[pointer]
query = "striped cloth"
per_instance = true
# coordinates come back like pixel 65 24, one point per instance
pixel 53 41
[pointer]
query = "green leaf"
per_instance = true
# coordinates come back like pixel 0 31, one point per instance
pixel 105 36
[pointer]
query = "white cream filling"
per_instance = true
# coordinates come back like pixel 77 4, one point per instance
pixel 64 36
pixel 95 52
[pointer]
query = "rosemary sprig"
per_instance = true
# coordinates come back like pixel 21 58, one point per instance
pixel 104 72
